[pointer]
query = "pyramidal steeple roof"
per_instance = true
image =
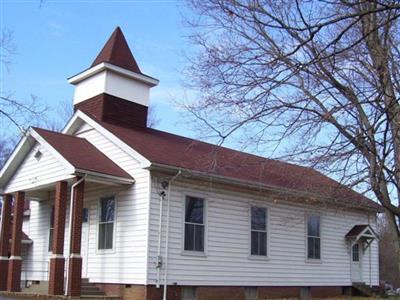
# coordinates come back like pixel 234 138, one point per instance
pixel 116 51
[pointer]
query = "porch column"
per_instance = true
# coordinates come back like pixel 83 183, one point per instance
pixel 56 279
pixel 75 258
pixel 15 262
pixel 5 239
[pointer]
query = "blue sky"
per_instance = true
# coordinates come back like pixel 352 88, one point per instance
pixel 58 39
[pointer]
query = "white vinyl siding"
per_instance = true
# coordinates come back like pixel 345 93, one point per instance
pixel 127 262
pixel 227 260
pixel 33 172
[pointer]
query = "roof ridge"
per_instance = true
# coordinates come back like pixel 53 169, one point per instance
pixel 221 147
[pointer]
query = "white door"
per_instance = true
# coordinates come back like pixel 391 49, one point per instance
pixel 356 273
pixel 85 242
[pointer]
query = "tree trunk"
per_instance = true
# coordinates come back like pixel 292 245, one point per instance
pixel 392 269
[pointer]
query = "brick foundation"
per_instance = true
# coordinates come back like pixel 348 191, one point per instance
pixel 326 291
pixel 154 293
pixel 220 293
pixel 150 292
pixel 269 292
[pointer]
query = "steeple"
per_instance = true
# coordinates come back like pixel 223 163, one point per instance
pixel 114 89
pixel 116 51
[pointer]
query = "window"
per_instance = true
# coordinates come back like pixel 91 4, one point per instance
pixel 194 224
pixel 313 237
pixel 85 215
pixel 189 293
pixel 250 293
pixel 258 231
pixel 51 229
pixel 106 223
pixel 356 253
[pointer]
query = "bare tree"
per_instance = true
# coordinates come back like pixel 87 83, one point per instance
pixel 152 119
pixel 12 110
pixel 387 268
pixel 315 81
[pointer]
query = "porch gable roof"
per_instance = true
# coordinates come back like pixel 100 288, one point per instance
pixel 76 155
pixel 81 154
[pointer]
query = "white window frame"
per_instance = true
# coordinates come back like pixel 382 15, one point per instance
pixel 267 215
pixel 205 224
pixel 358 253
pixel 307 215
pixel 50 232
pixel 112 250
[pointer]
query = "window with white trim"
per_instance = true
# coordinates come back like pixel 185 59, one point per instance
pixel 51 229
pixel 194 224
pixel 258 231
pixel 313 237
pixel 356 253
pixel 106 223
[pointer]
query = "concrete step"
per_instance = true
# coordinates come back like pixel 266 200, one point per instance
pixel 363 289
pixel 90 289
pixel 98 293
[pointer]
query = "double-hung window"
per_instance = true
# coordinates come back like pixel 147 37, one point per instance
pixel 51 229
pixel 258 231
pixel 313 237
pixel 194 224
pixel 106 223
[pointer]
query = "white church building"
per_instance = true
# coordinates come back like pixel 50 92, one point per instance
pixel 143 214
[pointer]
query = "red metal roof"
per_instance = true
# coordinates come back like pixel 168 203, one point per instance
pixel 181 152
pixel 81 154
pixel 116 51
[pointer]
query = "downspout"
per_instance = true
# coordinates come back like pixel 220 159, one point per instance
pixel 70 231
pixel 167 235
pixel 159 258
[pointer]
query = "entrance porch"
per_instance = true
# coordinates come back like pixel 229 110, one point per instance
pixel 56 169
pixel 60 256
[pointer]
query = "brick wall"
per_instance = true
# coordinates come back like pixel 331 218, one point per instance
pixel 150 292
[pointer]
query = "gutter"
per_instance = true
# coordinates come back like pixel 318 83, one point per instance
pixel 117 179
pixel 262 186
